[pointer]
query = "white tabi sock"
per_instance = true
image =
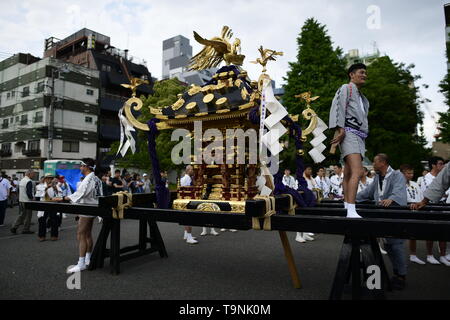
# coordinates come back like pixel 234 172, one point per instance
pixel 81 261
pixel 345 205
pixel 351 211
pixel 88 257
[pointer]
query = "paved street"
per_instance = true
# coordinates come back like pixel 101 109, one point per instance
pixel 242 265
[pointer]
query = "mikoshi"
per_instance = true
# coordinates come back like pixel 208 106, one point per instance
pixel 226 195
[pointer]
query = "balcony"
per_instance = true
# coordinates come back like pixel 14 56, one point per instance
pixel 4 126
pixel 5 153
pixel 31 153
pixel 23 122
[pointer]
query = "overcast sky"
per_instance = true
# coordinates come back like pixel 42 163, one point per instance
pixel 409 32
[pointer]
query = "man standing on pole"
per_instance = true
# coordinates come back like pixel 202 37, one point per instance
pixel 348 115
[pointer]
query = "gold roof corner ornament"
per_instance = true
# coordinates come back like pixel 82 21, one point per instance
pixel 216 50
pixel 266 56
pixel 134 83
pixel 309 113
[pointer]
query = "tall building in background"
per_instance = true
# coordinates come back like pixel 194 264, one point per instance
pixel 48 109
pixel 94 51
pixel 353 57
pixel 177 53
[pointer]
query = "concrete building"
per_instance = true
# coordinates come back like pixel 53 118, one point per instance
pixel 177 53
pixel 36 127
pixel 353 57
pixel 93 50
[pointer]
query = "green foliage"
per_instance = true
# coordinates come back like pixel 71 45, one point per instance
pixel 394 113
pixel 444 121
pixel 319 69
pixel 164 93
pixel 394 103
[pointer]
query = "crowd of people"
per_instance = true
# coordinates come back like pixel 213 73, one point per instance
pixel 387 187
pixel 124 181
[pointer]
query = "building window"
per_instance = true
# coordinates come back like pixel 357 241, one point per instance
pixel 33 145
pixel 11 120
pixel 24 119
pixel 25 92
pixel 71 146
pixel 8 96
pixel 6 146
pixel 40 87
pixel 106 68
pixel 89 92
pixel 88 119
pixel 5 124
pixel 13 94
pixel 17 119
pixel 38 116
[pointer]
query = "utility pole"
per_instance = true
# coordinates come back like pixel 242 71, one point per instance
pixel 51 117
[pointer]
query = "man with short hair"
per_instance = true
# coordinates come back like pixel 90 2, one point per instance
pixel 116 182
pixel 336 181
pixel 323 182
pixel 147 183
pixel 414 194
pixel 349 115
pixel 186 181
pixel 5 188
pixel 288 180
pixel 388 189
pixel 25 194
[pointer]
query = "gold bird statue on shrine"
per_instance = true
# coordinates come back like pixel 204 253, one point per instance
pixel 216 50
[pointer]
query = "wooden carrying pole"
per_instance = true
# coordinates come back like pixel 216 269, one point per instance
pixel 290 260
pixel 334 146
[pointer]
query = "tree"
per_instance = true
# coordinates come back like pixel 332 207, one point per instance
pixel 444 121
pixel 320 69
pixel 164 94
pixel 394 114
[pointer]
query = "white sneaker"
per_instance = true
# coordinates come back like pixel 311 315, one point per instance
pixel 204 232
pixel 191 240
pixel 77 268
pixel 307 237
pixel 414 259
pixel 444 261
pixel 299 238
pixel 214 232
pixel 87 262
pixel 383 251
pixel 185 237
pixel 447 257
pixel 310 234
pixel 233 230
pixel 432 260
pixel 223 230
pixel 353 215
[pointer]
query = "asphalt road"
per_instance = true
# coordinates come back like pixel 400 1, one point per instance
pixel 242 265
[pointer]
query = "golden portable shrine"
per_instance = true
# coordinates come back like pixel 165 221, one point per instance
pixel 226 103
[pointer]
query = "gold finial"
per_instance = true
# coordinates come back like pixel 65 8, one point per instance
pixel 266 56
pixel 134 83
pixel 216 50
pixel 308 114
pixel 307 97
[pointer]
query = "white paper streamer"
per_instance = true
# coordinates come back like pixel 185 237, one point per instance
pixel 318 147
pixel 125 132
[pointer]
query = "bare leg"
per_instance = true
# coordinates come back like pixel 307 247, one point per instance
pixel 83 227
pixel 430 248
pixel 413 247
pixel 347 174
pixel 353 161
pixel 89 240
pixel 443 248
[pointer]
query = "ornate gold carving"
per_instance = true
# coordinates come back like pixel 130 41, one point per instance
pixel 177 105
pixel 193 90
pixel 309 113
pixel 208 206
pixel 244 94
pixel 266 56
pixel 216 50
pixel 209 98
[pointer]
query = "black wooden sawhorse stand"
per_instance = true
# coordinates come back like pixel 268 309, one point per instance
pixel 352 266
pixel 117 255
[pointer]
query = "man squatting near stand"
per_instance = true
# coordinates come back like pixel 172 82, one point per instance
pixel 388 189
pixel 348 115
